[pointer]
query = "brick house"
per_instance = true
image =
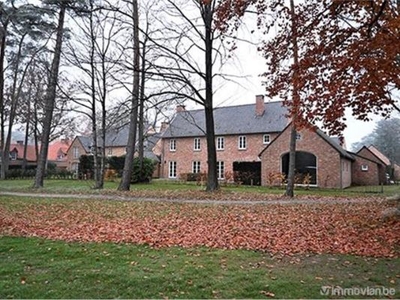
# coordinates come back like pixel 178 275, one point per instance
pixel 322 160
pixel 241 134
pixel 17 155
pixel 115 145
pixel 378 175
pixel 56 154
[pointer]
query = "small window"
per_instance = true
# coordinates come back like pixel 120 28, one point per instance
pixel 364 168
pixel 172 169
pixel 220 143
pixel 298 136
pixel 172 145
pixel 196 167
pixel 109 151
pixel 76 152
pixel 242 143
pixel 220 170
pixel 197 145
pixel 13 155
pixel 266 139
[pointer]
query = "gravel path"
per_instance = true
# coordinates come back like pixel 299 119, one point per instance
pixel 283 201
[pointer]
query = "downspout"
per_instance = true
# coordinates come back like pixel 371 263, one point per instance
pixel 341 173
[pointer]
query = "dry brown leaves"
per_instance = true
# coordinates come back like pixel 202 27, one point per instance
pixel 285 229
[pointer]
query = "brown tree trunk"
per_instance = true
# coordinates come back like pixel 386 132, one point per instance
pixel 212 178
pixel 28 120
pixel 49 101
pixel 14 105
pixel 295 102
pixel 128 165
pixel 2 135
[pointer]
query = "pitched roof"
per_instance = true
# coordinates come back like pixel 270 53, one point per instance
pixel 379 155
pixel 334 142
pixel 30 151
pixel 56 148
pixel 229 120
pixel 86 142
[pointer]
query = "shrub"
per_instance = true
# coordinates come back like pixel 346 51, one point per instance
pixel 146 173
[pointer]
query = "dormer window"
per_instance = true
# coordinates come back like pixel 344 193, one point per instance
pixel 13 155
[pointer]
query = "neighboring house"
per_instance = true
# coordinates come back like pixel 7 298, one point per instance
pixel 322 161
pixel 321 157
pixel 396 172
pixel 80 146
pixel 241 132
pixel 115 145
pixel 382 162
pixel 58 153
pixel 17 155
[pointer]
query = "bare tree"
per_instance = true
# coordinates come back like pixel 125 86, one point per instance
pixel 93 52
pixel 50 98
pixel 130 149
pixel 189 53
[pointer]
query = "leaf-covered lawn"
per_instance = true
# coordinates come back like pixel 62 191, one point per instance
pixel 286 229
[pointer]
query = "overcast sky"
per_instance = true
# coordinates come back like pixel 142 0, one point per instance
pixel 249 64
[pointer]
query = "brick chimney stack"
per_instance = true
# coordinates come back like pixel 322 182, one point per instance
pixel 164 126
pixel 260 105
pixel 180 108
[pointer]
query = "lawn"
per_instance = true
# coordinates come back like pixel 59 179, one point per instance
pixel 39 268
pixel 167 189
pixel 76 248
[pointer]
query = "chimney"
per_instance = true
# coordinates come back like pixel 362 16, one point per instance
pixel 260 106
pixel 164 126
pixel 180 108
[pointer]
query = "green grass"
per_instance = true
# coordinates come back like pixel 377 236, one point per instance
pixel 37 268
pixel 82 186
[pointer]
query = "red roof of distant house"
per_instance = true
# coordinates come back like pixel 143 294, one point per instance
pixel 30 151
pixel 58 148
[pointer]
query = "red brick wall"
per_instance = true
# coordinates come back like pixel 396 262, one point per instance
pixel 185 155
pixel 369 177
pixel 328 159
pixel 364 152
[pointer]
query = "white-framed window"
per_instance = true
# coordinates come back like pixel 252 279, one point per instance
pixel 172 169
pixel 172 145
pixel 220 143
pixel 242 143
pixel 364 168
pixel 298 136
pixel 196 167
pixel 76 152
pixel 109 151
pixel 197 145
pixel 266 139
pixel 220 170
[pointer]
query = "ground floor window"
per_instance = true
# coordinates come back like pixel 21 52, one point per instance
pixel 306 167
pixel 172 169
pixel 196 167
pixel 220 169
